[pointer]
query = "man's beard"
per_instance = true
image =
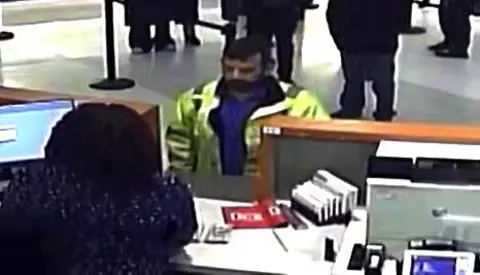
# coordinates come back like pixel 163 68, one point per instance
pixel 239 86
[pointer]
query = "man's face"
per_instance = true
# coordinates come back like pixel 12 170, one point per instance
pixel 240 74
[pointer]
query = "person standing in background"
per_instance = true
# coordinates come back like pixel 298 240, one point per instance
pixel 366 34
pixel 277 18
pixel 140 15
pixel 454 17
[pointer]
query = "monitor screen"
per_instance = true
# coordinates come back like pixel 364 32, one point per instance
pixel 423 265
pixel 25 128
pixel 431 262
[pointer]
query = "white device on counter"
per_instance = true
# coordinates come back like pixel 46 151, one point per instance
pixel 346 192
pixel 420 262
pixel 325 195
pixel 313 198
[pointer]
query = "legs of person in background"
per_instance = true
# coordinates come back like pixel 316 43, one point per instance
pixel 352 98
pixel 381 71
pixel 476 7
pixel 456 17
pixel 230 33
pixel 442 18
pixel 358 68
pixel 405 12
pixel 190 36
pixel 260 27
pixel 139 38
pixel 300 33
pixel 285 50
pixel 281 27
pixel 163 38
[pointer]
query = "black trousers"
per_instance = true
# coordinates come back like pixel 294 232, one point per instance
pixel 376 67
pixel 454 16
pixel 282 27
pixel 141 37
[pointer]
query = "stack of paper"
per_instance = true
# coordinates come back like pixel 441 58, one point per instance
pixel 324 198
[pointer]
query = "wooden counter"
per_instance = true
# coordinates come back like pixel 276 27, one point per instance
pixel 150 112
pixel 349 130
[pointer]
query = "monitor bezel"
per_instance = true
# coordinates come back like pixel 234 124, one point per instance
pixel 20 163
pixel 409 254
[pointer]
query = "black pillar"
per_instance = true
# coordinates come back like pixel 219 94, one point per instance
pixel 111 82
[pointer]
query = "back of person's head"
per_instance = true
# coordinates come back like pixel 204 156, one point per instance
pixel 109 145
pixel 247 47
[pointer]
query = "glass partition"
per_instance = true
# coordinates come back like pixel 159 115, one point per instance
pixel 293 149
pixel 297 159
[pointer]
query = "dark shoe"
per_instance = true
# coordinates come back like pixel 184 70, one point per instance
pixel 193 41
pixel 342 114
pixel 450 53
pixel 140 50
pixel 385 117
pixel 439 46
pixel 167 45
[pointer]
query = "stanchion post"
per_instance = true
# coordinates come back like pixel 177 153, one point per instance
pixel 111 82
pixel 4 35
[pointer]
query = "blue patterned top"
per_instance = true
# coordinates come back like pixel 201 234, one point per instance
pixel 84 231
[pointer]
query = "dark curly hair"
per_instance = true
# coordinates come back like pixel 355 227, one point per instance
pixel 110 145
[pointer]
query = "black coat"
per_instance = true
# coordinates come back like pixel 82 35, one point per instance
pixel 364 26
pixel 153 12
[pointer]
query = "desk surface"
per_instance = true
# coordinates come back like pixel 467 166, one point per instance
pixel 256 250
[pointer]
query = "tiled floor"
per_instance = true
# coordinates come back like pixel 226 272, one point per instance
pixel 66 56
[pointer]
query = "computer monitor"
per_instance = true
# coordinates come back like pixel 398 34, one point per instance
pixel 433 262
pixel 25 128
pixel 401 210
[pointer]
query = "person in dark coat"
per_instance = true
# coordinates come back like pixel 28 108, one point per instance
pixel 454 16
pixel 140 15
pixel 366 34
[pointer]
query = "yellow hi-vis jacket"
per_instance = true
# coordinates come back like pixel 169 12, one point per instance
pixel 192 143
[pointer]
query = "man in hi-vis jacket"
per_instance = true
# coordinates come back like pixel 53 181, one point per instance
pixel 214 131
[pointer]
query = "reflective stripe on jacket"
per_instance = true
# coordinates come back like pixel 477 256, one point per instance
pixel 192 143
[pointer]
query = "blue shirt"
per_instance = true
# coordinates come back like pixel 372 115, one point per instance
pixel 233 116
pixel 93 233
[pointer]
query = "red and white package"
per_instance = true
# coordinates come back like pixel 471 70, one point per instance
pixel 264 214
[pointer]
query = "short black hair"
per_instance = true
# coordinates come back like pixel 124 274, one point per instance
pixel 249 46
pixel 109 145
